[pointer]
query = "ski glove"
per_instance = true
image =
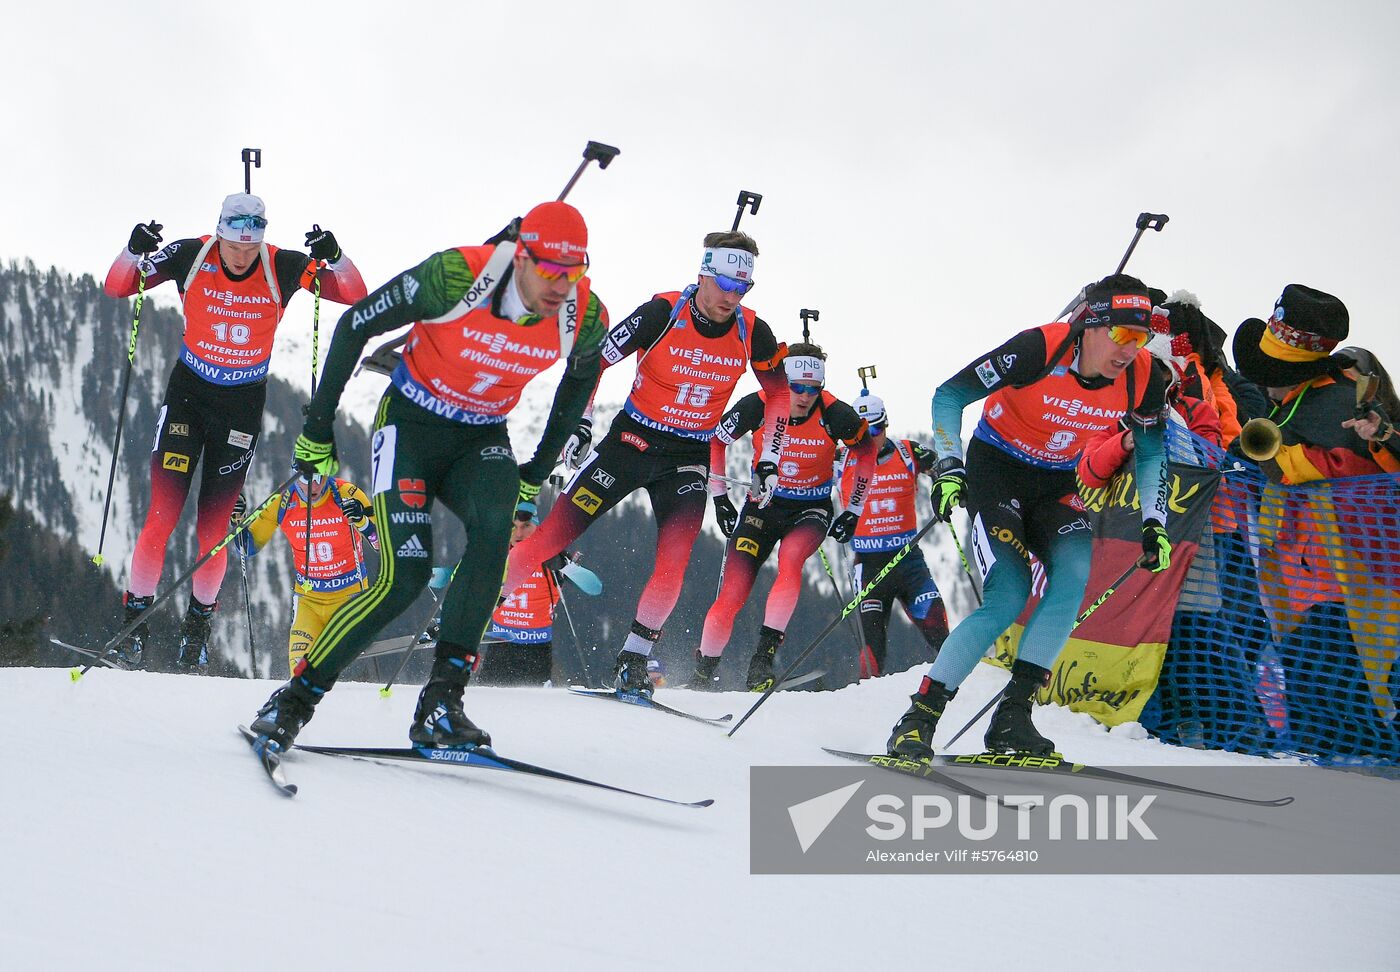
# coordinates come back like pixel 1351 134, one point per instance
pixel 525 499
pixel 145 238
pixel 1156 547
pixel 577 447
pixel 725 514
pixel 322 244
pixel 240 507
pixel 949 486
pixel 765 477
pixel 315 457
pixel 354 511
pixel 843 527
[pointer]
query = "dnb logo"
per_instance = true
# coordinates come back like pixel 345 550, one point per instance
pixel 413 492
pixel 747 545
pixel 175 461
pixel 586 501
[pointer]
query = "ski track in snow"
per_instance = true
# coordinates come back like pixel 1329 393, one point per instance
pixel 140 834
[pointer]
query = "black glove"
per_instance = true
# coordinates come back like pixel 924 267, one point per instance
pixel 725 514
pixel 145 238
pixel 322 244
pixel 353 509
pixel 843 527
pixel 240 507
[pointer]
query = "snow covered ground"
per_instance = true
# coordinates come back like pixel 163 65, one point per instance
pixel 139 833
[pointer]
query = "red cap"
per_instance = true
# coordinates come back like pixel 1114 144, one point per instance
pixel 555 231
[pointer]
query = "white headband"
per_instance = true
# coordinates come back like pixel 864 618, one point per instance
pixel 728 262
pixel 805 369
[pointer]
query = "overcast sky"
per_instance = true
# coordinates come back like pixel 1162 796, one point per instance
pixel 936 175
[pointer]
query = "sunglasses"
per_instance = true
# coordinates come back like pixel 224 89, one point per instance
pixel 800 389
pixel 1129 335
pixel 246 222
pixel 549 270
pixel 877 428
pixel 732 285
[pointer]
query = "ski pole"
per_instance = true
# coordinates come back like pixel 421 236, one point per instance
pixel 160 599
pixel 578 645
pixel 1145 221
pixel 1084 616
pixel 751 200
pixel 746 483
pixel 385 692
pixel 856 632
pixel 248 606
pixel 851 606
pixel 305 583
pixel 121 413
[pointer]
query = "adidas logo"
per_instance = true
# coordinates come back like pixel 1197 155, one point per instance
pixel 412 547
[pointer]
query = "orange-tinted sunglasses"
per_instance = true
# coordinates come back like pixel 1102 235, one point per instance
pixel 1129 335
pixel 549 270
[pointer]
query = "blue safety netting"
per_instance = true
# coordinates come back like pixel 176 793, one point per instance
pixel 1286 630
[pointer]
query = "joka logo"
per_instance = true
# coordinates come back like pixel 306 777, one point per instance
pixel 810 818
pixel 603 478
pixel 413 492
pixel 179 428
pixel 412 547
pixel 587 501
pixel 175 461
pixel 747 545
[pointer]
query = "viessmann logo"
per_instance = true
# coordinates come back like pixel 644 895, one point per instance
pixel 697 357
pixel 1074 406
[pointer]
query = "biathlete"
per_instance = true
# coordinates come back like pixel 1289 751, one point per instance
pixel 693 346
pixel 1048 391
pixel 797 520
pixel 486 320
pixel 234 289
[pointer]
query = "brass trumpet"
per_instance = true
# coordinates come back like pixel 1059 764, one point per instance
pixel 1260 439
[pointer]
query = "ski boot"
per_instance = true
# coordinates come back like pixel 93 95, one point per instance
pixel 704 679
pixel 194 638
pixel 912 737
pixel 430 634
pixel 128 653
pixel 1012 730
pixel 630 676
pixel 285 712
pixel 439 721
pixel 760 677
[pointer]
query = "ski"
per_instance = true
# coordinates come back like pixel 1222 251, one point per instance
pixel 637 700
pixel 102 659
pixel 919 770
pixel 392 646
pixel 271 763
pixel 1055 763
pixel 484 758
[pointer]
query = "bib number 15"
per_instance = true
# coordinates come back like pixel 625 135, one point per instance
pixel 688 393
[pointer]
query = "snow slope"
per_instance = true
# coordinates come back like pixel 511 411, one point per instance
pixel 139 833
